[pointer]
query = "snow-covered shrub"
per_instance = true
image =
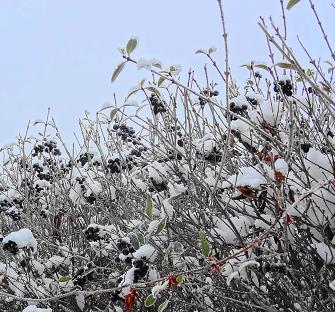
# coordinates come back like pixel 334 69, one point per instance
pixel 222 199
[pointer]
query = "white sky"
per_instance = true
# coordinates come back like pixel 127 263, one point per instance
pixel 60 54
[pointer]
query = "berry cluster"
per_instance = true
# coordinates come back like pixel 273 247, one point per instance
pixel 126 133
pixel 47 147
pixel 11 247
pixel 83 275
pixel 85 158
pixel 141 269
pixel 12 207
pixel 157 186
pixel 126 249
pixel 252 101
pixel 14 213
pixel 158 106
pixel 208 93
pixel 305 147
pixel 285 86
pixel 92 233
pixel 114 165
pixel 214 156
pixel 238 109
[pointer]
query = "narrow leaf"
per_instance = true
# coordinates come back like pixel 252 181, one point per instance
pixel 204 244
pixel 63 279
pixel 285 65
pixel 134 240
pixel 291 4
pixel 163 306
pixel 179 279
pixel 200 51
pixel 160 81
pixel 149 301
pixel 161 226
pixel 131 45
pixel 113 113
pixel 140 238
pixel 153 90
pixel 118 70
pixel 262 66
pixel 148 208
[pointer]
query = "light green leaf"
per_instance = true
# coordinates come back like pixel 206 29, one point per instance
pixel 63 279
pixel 262 66
pixel 153 90
pixel 179 279
pixel 200 51
pixel 149 301
pixel 160 81
pixel 134 240
pixel 204 244
pixel 211 50
pixel 131 45
pixel 118 70
pixel 285 65
pixel 291 4
pixel 148 208
pixel 163 306
pixel 113 113
pixel 161 226
pixel 248 66
pixel 140 238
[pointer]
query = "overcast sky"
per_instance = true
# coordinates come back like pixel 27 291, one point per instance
pixel 60 54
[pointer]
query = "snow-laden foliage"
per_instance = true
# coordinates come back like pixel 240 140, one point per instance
pixel 200 198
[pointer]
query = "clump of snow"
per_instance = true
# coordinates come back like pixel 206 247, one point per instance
pixel 264 221
pixel 327 253
pixel 318 165
pixel 147 251
pixel 33 308
pixel 281 166
pixel 268 112
pixel 56 261
pixel 225 230
pixel 23 238
pixel 248 176
pixel 239 101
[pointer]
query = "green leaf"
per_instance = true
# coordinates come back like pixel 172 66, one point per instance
pixel 148 208
pixel 200 51
pixel 131 45
pixel 113 113
pixel 153 90
pixel 149 301
pixel 204 244
pixel 248 66
pixel 163 306
pixel 63 279
pixel 160 81
pixel 118 70
pixel 134 240
pixel 161 226
pixel 286 65
pixel 140 238
pixel 179 279
pixel 262 66
pixel 211 50
pixel 291 4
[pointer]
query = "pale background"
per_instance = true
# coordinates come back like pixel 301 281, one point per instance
pixel 60 54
